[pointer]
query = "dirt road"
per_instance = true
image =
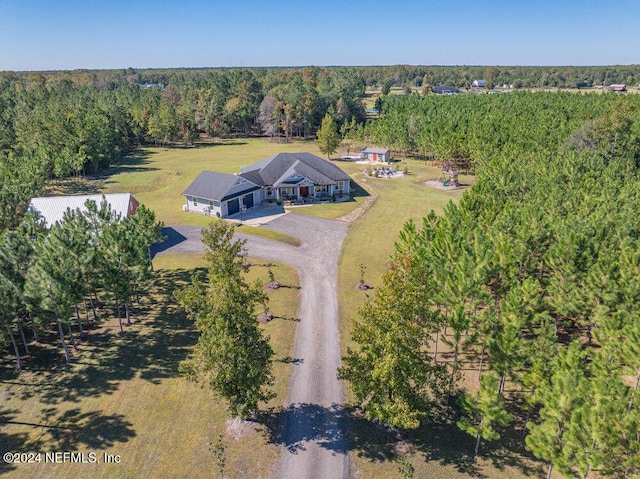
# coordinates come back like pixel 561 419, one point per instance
pixel 314 428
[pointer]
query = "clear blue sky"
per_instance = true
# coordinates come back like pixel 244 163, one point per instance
pixel 71 34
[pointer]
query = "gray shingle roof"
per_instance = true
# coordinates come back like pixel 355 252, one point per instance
pixel 211 185
pixel 379 151
pixel 277 168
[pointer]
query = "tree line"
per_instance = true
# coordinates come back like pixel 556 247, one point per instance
pixel 58 277
pixel 532 279
pixel 471 129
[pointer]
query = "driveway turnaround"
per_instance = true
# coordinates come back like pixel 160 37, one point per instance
pixel 313 434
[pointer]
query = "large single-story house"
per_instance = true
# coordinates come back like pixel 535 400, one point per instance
pixel 478 84
pixel 618 87
pixel 286 176
pixel 53 208
pixel 375 154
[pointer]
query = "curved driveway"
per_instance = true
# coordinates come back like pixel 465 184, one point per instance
pixel 313 432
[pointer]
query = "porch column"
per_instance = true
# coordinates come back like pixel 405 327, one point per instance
pixel 298 187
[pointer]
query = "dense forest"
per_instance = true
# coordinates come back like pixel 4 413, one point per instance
pixel 474 128
pixel 532 279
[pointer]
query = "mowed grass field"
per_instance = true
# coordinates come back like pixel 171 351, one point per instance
pixel 123 394
pixel 158 176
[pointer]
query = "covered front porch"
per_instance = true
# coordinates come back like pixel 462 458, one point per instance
pixel 301 194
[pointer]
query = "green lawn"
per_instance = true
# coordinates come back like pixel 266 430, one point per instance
pixel 123 394
pixel 158 176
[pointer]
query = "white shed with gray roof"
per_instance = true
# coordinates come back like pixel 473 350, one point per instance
pixel 375 154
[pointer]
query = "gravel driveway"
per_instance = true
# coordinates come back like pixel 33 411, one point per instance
pixel 314 427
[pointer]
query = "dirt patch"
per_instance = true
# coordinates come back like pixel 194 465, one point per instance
pixel 363 287
pixel 438 184
pixel 5 395
pixel 265 317
pixel 239 428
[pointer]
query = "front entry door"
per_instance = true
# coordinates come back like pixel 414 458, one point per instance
pixel 304 191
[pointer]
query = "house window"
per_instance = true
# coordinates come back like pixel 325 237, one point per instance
pixel 341 186
pixel 269 192
pixel 195 201
pixel 322 189
pixel 286 191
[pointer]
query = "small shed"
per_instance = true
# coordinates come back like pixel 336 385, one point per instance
pixel 378 155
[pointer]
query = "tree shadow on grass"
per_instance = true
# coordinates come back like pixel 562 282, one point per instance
pixel 71 430
pixel 345 429
pixel 10 442
pixel 152 347
pixel 229 142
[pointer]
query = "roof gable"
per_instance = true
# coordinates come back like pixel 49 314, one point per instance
pixel 211 185
pixel 276 169
pixel 379 151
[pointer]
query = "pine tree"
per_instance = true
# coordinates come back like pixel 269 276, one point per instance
pixel 559 398
pixel 484 412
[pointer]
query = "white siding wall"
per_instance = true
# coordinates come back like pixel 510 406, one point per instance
pixel 202 206
pixel 345 190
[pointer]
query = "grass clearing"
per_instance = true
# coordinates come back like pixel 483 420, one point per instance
pixel 123 394
pixel 158 176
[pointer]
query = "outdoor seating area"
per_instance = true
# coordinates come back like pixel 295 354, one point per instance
pixel 386 172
